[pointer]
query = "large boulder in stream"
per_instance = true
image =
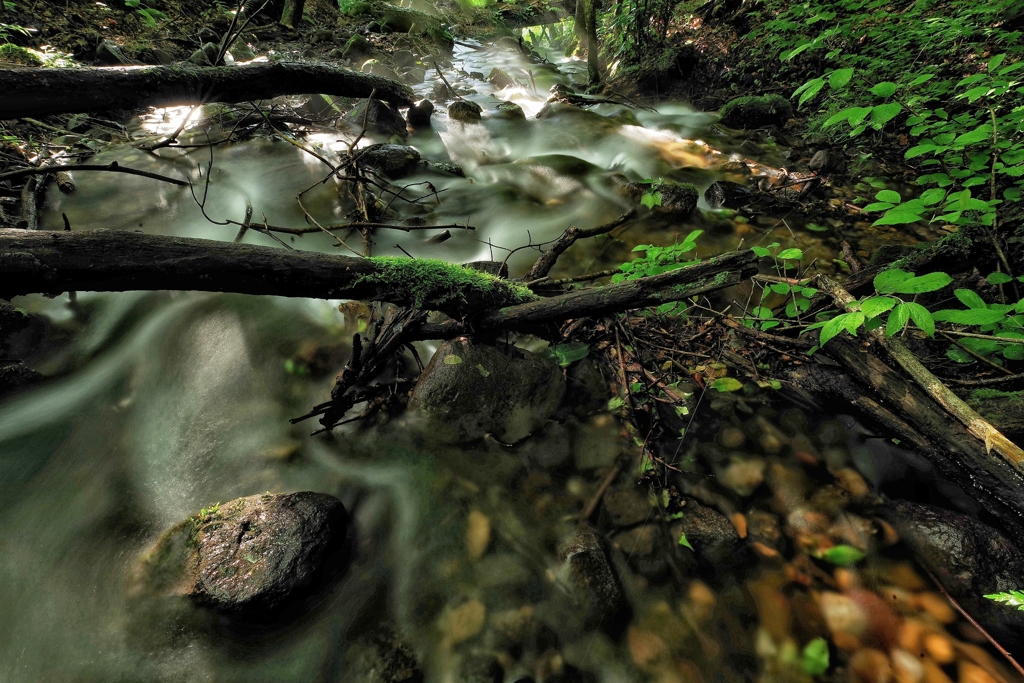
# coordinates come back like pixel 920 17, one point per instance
pixel 970 560
pixel 465 111
pixel 725 194
pixel 469 390
pixel 756 111
pixel 253 558
pixel 678 200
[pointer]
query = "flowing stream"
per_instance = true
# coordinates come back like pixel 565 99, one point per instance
pixel 164 403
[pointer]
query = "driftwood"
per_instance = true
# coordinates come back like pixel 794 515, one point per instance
pixel 38 92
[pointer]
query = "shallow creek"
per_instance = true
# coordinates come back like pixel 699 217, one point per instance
pixel 169 402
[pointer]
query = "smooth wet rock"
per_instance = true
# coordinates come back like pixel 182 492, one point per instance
pixel 403 58
pixel 499 79
pixel 447 168
pixel 587 570
pixel 414 75
pixel 713 537
pixel 756 111
pixel 725 194
pixel 358 48
pixel 510 110
pixel 465 111
pixel 241 51
pixel 108 52
pixel 394 161
pixel 252 558
pixel 380 119
pixel 382 657
pixel 418 115
pixel 970 559
pixel 469 390
pixel 205 55
pixel 378 68
pixel 825 161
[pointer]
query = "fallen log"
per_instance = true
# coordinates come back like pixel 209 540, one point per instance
pixel 712 274
pixel 118 261
pixel 38 92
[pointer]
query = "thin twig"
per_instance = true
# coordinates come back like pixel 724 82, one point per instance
pixel 113 167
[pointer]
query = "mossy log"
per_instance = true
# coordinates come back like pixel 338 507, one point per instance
pixel 117 261
pixel 38 92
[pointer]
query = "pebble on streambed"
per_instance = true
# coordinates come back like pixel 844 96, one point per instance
pixel 256 558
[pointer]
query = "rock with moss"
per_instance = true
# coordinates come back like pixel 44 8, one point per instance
pixel 394 161
pixel 465 111
pixel 396 19
pixel 375 67
pixel 469 390
pixel 678 200
pixel 256 558
pixel 379 118
pixel 509 110
pixel 15 54
pixel 358 49
pixel 756 111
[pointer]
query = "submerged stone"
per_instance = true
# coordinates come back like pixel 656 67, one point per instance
pixel 587 569
pixel 756 111
pixel 418 115
pixel 465 111
pixel 469 390
pixel 253 557
pixel 510 110
pixel 725 194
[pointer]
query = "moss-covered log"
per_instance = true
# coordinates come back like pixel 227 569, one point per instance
pixel 117 261
pixel 709 275
pixel 38 92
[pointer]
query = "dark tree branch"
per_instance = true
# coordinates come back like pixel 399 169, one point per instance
pixel 547 260
pixel 38 92
pixel 111 167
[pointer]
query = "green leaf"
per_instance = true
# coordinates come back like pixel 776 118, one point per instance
pixel 998 278
pixel 922 317
pixel 970 299
pixel 814 227
pixel 899 215
pixel 958 355
pixel 791 254
pixel 979 134
pixel 878 206
pixel 841 555
pixel 877 305
pixel 884 113
pixel 452 359
pixel 994 63
pixel 651 199
pixel 975 316
pixel 1014 598
pixel 887 281
pixel 725 384
pixel 683 542
pixel 840 77
pixel 1014 352
pixel 567 354
pixel 813 87
pixel 923 283
pixel 921 79
pixel 853 115
pixel 884 89
pixel 846 321
pixel 814 659
pixel 933 196
pixel 897 320
pixel 889 196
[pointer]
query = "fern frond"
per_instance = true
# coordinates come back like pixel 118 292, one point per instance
pixel 1012 598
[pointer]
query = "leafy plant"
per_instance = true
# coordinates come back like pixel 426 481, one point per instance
pixel 1011 598
pixel 814 659
pixel 652 197
pixel 149 15
pixel 657 260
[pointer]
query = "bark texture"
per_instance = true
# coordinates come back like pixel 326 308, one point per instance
pixel 38 92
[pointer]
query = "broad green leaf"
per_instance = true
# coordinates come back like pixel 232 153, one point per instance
pixel 918 150
pixel 1014 352
pixel 956 354
pixel 970 299
pixel 760 251
pixel 878 206
pixel 813 88
pixel 791 254
pixel 933 196
pixel 976 316
pixel 846 321
pixel 814 659
pixel 897 320
pixel 994 63
pixel 899 215
pixel 840 77
pixel 922 317
pixel 780 288
pixel 853 115
pixel 982 346
pixel 921 79
pixel 651 199
pixel 841 555
pixel 887 281
pixel 683 542
pixel 884 89
pixel 725 384
pixel 923 283
pixel 884 113
pixel 998 278
pixel 889 196
pixel 979 134
pixel 877 305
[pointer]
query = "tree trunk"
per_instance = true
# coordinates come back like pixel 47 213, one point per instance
pixel 292 14
pixel 38 92
pixel 593 46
